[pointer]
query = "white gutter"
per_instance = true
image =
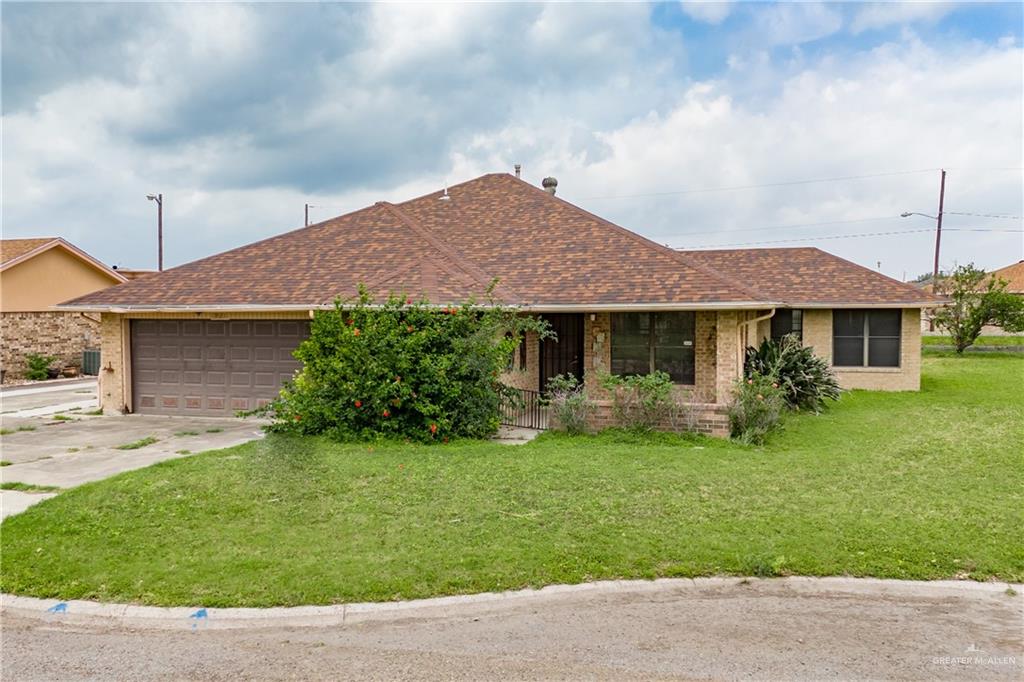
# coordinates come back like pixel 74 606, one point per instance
pixel 755 320
pixel 537 308
pixel 540 308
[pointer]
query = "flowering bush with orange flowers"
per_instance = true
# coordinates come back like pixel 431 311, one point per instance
pixel 402 368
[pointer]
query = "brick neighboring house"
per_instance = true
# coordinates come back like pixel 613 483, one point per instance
pixel 216 335
pixel 35 275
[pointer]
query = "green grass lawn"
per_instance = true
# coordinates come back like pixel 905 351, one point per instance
pixel 982 341
pixel 915 485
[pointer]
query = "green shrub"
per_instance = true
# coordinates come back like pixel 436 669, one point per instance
pixel 401 369
pixel 806 379
pixel 756 408
pixel 38 366
pixel 569 403
pixel 641 402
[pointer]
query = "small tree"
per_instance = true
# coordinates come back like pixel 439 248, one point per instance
pixel 976 300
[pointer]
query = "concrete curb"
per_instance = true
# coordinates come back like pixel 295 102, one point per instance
pixel 77 612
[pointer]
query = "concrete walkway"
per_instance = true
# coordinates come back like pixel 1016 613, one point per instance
pixel 714 628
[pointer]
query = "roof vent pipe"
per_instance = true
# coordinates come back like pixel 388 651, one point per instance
pixel 550 185
pixel 518 167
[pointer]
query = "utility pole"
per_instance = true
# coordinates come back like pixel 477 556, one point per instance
pixel 938 230
pixel 159 199
pixel 307 215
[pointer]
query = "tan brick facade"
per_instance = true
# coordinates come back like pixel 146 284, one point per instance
pixel 711 416
pixel 719 340
pixel 63 335
pixel 906 377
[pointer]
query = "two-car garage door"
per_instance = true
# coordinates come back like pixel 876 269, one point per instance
pixel 211 367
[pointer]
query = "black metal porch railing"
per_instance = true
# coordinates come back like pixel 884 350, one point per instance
pixel 525 409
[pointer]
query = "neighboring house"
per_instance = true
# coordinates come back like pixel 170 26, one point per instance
pixel 1013 275
pixel 216 335
pixel 35 275
pixel 133 274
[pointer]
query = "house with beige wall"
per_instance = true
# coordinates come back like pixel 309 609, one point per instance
pixel 216 336
pixel 35 275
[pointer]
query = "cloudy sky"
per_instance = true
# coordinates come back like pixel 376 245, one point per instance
pixel 693 124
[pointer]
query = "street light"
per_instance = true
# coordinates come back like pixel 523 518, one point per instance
pixel 159 199
pixel 924 215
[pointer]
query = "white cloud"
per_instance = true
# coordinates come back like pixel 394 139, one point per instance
pixel 794 23
pixel 402 103
pixel 877 15
pixel 901 107
pixel 708 12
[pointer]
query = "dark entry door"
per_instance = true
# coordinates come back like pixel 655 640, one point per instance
pixel 563 354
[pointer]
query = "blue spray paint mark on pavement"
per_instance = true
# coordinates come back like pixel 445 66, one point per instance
pixel 58 608
pixel 198 616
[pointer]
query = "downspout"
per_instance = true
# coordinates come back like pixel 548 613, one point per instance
pixel 740 349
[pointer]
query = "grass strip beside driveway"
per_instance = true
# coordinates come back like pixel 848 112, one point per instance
pixel 901 485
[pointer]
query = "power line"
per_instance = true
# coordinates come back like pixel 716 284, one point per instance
pixel 811 239
pixel 850 236
pixel 986 215
pixel 767 184
pixel 981 229
pixel 796 226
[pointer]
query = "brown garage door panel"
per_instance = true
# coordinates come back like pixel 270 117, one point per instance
pixel 211 367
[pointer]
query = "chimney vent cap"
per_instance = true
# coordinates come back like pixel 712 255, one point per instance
pixel 550 184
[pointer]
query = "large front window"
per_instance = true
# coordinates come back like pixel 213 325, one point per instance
pixel 866 338
pixel 646 342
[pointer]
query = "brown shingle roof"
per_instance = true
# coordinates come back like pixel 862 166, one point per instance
pixel 811 277
pixel 12 249
pixel 1014 276
pixel 544 251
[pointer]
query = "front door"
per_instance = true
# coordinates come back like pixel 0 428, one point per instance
pixel 564 353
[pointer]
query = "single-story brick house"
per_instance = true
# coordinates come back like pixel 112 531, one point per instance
pixel 35 275
pixel 216 335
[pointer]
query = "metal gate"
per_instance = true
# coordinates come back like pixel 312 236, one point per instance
pixel 525 409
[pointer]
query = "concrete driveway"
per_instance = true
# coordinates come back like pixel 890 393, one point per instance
pixel 49 397
pixel 67 452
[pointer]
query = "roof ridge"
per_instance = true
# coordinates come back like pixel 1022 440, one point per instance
pixel 459 259
pixel 754 294
pixel 447 187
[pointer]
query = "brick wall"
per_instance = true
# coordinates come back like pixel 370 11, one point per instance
pixel 708 418
pixel 61 334
pixel 906 377
pixel 727 358
pixel 526 377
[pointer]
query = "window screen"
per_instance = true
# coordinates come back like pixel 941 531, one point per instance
pixel 645 342
pixel 866 338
